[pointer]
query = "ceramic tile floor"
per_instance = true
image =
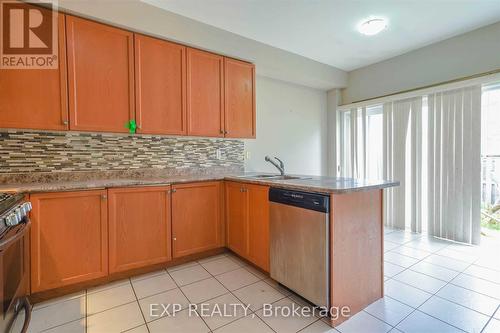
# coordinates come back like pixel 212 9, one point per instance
pixel 430 286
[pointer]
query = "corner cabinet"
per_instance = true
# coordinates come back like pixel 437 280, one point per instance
pixel 36 98
pixel 205 93
pixel 100 76
pixel 139 227
pixel 239 103
pixel 247 222
pixel 69 238
pixel 197 219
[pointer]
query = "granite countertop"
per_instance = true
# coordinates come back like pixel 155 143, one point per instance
pixel 102 183
pixel 32 183
pixel 320 184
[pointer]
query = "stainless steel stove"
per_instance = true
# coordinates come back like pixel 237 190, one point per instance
pixel 14 261
pixel 13 210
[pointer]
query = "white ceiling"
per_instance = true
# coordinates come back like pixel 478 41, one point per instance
pixel 325 30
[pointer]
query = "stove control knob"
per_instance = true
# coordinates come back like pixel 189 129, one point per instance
pixel 12 219
pixel 19 213
pixel 25 208
pixel 28 204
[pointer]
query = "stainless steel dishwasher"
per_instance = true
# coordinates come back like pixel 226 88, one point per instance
pixel 299 243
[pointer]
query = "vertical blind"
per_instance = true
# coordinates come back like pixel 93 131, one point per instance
pixel 454 165
pixel 452 161
pixel 397 119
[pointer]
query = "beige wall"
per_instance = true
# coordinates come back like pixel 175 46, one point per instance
pixel 472 53
pixel 270 61
pixel 291 124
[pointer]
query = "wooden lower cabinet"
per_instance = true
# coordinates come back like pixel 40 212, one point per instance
pixel 258 225
pixel 236 218
pixel 69 238
pixel 85 235
pixel 139 227
pixel 247 219
pixel 197 223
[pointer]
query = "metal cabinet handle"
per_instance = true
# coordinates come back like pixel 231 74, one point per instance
pixel 104 197
pixel 175 238
pixel 65 122
pixel 174 190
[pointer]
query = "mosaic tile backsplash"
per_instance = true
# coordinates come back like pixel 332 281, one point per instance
pixel 32 151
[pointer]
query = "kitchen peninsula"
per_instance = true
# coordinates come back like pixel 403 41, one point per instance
pixel 186 216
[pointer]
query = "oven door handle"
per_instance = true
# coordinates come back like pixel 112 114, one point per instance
pixel 27 314
pixel 20 233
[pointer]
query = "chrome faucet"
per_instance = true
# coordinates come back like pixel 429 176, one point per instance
pixel 279 165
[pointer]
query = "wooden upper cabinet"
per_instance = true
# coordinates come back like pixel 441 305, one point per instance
pixel 196 218
pixel 69 238
pixel 36 98
pixel 160 86
pixel 237 218
pixel 139 227
pixel 205 93
pixel 239 105
pixel 258 225
pixel 100 76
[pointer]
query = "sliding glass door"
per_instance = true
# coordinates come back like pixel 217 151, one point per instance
pixel 430 144
pixel 490 161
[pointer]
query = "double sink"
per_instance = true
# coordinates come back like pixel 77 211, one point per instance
pixel 274 177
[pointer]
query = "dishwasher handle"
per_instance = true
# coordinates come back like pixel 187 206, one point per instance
pixel 311 201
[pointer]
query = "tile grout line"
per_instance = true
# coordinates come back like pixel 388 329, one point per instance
pixel 179 287
pixel 231 292
pixel 491 318
pixel 196 310
pixel 139 305
pixel 243 265
pixel 432 295
pixel 435 294
pixel 86 311
pixel 414 309
pixel 71 321
pixel 60 325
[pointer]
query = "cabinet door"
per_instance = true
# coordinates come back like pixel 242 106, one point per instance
pixel 205 91
pixel 237 218
pixel 196 218
pixel 36 98
pixel 239 105
pixel 69 238
pixel 160 85
pixel 258 225
pixel 139 227
pixel 100 76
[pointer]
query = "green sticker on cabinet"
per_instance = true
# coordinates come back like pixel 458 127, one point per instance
pixel 132 126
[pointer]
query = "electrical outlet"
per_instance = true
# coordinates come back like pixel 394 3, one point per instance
pixel 247 155
pixel 218 154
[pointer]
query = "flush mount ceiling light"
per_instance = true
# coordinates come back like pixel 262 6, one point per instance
pixel 372 26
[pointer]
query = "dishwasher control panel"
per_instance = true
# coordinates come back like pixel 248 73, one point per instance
pixel 313 201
